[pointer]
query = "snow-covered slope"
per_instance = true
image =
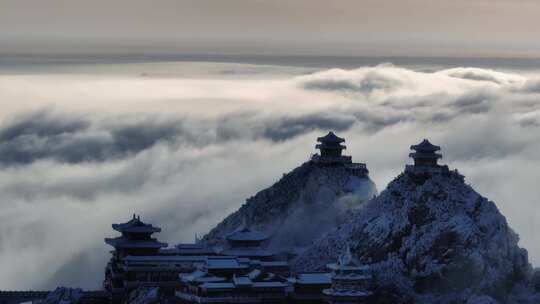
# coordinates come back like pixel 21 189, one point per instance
pixel 303 205
pixel 426 236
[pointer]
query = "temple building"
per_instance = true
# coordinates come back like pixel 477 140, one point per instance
pixel 135 240
pixel 247 243
pixel 350 282
pixel 330 145
pixel 425 154
pixel 308 287
pixel 331 154
pixel 426 158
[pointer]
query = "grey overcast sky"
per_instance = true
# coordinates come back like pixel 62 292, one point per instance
pixel 313 27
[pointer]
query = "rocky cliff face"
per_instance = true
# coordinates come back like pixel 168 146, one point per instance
pixel 302 206
pixel 430 237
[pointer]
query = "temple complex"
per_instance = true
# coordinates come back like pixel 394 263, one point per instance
pixel 231 280
pixel 141 261
pixel 331 148
pixel 350 281
pixel 244 272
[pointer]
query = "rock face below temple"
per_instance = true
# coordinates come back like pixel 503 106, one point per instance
pixel 302 206
pixel 429 234
pixel 305 203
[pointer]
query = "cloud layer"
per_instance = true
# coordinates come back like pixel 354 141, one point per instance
pixel 185 150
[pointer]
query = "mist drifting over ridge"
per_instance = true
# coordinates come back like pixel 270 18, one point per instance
pixel 80 151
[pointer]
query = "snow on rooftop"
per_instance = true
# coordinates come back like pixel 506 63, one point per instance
pixel 246 234
pixel 314 278
pixel 254 274
pixel 135 225
pixel 269 284
pixel 242 281
pixel 121 242
pixel 164 258
pixel 247 252
pixel 223 263
pixel 330 138
pixel 217 285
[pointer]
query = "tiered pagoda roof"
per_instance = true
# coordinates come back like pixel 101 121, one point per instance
pixel 123 243
pixel 425 149
pixel 425 153
pixel 245 242
pixel 349 280
pixel 331 149
pixel 245 234
pixel 135 225
pixel 135 235
pixel 330 138
pixel 330 141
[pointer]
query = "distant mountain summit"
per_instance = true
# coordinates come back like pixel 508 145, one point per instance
pixel 305 203
pixel 429 238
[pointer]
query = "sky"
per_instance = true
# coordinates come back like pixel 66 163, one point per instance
pixel 480 28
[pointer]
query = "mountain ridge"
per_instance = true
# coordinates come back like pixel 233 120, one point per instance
pixel 429 235
pixel 311 194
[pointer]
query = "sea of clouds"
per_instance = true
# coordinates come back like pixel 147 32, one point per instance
pixel 186 143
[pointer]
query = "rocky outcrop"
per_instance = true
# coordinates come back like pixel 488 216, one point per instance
pixel 430 236
pixel 301 207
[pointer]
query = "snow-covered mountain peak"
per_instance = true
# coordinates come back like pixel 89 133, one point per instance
pixel 305 203
pixel 428 233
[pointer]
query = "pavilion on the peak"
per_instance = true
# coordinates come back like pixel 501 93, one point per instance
pixel 330 145
pixel 331 148
pixel 331 154
pixel 425 154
